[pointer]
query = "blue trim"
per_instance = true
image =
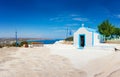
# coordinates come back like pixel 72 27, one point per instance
pixel 79 41
pixel 89 29
pixel 92 38
pixel 81 48
pixel 85 40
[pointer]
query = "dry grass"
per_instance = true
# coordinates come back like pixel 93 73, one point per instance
pixel 113 41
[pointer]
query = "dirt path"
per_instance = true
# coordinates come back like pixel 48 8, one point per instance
pixel 36 62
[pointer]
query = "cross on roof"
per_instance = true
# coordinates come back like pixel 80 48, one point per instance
pixel 82 25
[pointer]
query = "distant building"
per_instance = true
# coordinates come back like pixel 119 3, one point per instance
pixel 85 36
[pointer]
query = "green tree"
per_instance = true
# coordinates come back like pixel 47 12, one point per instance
pixel 117 32
pixel 106 28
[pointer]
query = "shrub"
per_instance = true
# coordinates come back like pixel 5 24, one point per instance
pixel 14 44
pixel 1 46
pixel 24 43
pixel 69 38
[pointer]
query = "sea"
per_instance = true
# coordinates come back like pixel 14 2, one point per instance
pixel 45 41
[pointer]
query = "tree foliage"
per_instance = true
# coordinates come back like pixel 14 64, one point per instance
pixel 117 32
pixel 108 30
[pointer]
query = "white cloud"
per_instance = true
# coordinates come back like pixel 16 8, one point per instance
pixel 71 17
pixel 57 19
pixel 57 28
pixel 74 24
pixel 60 30
pixel 118 16
pixel 52 19
pixel 74 15
pixel 80 19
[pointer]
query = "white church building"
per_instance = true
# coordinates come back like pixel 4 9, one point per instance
pixel 85 36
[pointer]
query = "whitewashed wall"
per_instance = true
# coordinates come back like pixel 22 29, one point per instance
pixel 75 38
pixel 88 37
pixel 96 39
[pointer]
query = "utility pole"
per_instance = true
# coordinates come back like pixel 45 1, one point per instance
pixel 16 38
pixel 67 32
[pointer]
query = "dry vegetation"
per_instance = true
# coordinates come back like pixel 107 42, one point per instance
pixel 113 41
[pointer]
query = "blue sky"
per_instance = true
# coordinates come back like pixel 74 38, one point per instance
pixel 50 18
